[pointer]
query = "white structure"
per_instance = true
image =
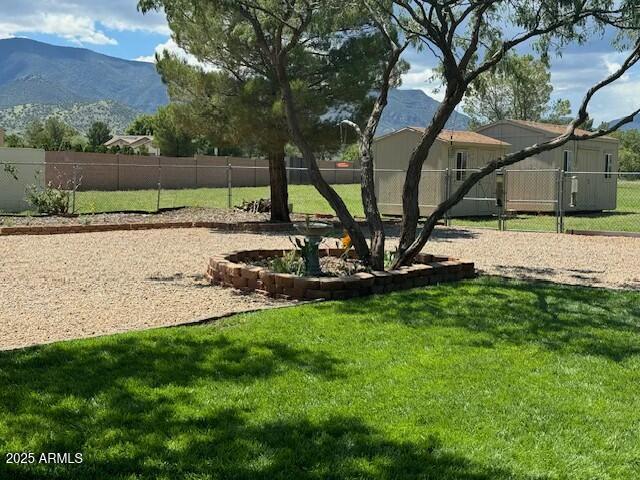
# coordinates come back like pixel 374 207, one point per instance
pixel 28 166
pixel 457 151
pixel 135 142
pixel 591 162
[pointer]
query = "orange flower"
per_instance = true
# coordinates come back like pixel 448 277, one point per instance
pixel 346 241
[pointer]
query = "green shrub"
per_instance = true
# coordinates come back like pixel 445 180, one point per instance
pixel 50 200
pixel 290 262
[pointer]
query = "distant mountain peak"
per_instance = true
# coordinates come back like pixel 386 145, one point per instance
pixel 32 72
pixel 411 108
pixel 634 125
pixel 39 79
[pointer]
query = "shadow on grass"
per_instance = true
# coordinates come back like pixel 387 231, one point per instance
pixel 560 318
pixel 602 214
pixel 136 407
pixel 227 444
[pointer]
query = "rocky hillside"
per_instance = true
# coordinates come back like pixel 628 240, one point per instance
pixel 34 72
pixel 79 115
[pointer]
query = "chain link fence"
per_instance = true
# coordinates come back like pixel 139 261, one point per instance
pixel 525 200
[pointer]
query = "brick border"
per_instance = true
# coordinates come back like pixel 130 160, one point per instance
pixel 252 227
pixel 240 227
pixel 231 270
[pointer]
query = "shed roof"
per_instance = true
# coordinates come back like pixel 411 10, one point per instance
pixel 547 127
pixel 464 136
pixel 455 136
pixel 129 139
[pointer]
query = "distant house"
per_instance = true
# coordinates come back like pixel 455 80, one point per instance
pixel 135 142
pixel 1 137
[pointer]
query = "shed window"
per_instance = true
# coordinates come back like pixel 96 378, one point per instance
pixel 567 160
pixel 608 165
pixel 461 166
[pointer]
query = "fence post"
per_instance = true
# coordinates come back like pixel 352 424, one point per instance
pixel 159 185
pixel 560 203
pixel 504 199
pixel 447 192
pixel 501 182
pixel 75 187
pixel 229 185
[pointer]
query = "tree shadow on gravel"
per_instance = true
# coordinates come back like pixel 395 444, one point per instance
pixel 555 317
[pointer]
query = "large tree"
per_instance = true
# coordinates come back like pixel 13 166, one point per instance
pixel 170 134
pixel 331 72
pixel 519 88
pixel 233 111
pixel 472 38
pixel 98 134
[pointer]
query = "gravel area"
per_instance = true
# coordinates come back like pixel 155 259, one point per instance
pixel 610 262
pixel 178 215
pixel 60 287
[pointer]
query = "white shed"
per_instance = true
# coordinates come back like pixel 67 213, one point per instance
pixel 458 151
pixel 532 185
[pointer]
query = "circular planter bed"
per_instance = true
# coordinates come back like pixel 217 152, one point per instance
pixel 238 270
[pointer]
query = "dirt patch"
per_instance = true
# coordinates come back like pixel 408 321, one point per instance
pixel 59 287
pixel 179 215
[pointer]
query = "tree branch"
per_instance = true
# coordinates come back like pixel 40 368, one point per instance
pixel 409 253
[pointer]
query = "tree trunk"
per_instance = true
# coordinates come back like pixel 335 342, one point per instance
pixel 367 173
pixel 370 204
pixel 279 187
pixel 410 208
pixel 315 176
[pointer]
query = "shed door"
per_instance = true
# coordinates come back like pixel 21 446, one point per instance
pixel 587 161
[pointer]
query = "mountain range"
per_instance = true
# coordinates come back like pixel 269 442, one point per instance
pixel 634 125
pixel 38 80
pixel 414 108
pixel 36 72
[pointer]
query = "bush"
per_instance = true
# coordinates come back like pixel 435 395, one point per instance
pixel 50 200
pixel 290 262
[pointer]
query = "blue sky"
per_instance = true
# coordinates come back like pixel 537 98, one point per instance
pixel 115 27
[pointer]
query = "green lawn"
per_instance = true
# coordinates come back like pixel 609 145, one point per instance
pixel 305 199
pixel 487 379
pixel 626 218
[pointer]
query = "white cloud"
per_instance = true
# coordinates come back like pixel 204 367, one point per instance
pixel 79 21
pixel 172 48
pixel 146 58
pixel 422 78
pixel 76 29
pixel 617 100
pixel 575 73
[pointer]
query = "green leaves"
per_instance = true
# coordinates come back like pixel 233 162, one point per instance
pixel 518 88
